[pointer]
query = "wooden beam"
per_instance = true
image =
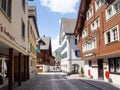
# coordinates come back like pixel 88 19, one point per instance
pixel 19 69
pixel 10 76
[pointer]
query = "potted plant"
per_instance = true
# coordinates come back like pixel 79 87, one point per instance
pixel 81 72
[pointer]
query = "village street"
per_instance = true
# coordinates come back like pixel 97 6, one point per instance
pixel 61 81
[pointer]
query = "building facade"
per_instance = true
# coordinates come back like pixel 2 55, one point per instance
pixel 70 54
pixel 98 32
pixel 45 56
pixel 57 55
pixel 33 36
pixel 14 56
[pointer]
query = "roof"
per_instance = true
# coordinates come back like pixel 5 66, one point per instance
pixel 33 16
pixel 84 6
pixel 68 25
pixel 31 7
pixel 47 41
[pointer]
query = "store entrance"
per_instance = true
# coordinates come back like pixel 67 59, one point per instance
pixel 100 69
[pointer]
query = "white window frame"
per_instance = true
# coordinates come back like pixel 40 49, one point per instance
pixel 101 2
pixel 84 33
pixel 96 25
pixel 89 46
pixel 111 35
pixel 89 13
pixel 113 10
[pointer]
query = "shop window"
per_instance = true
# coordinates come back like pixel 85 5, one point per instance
pixel 3 70
pixel 114 65
pixel 118 65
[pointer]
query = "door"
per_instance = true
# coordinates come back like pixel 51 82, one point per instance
pixel 100 69
pixel 75 68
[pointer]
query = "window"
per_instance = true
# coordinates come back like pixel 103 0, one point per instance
pixel 109 12
pixel 108 36
pixel 111 35
pixel 90 63
pixel 23 30
pixel 89 45
pixel 6 7
pixel 23 4
pixel 63 37
pixel 114 65
pixel 75 41
pixel 116 6
pixel 39 60
pixel 77 53
pixel 78 38
pixel 64 46
pixel 113 9
pixel 64 55
pixel 89 13
pixel 84 33
pixel 99 3
pixel 115 35
pixel 95 24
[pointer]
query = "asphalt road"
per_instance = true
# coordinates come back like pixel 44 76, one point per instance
pixel 60 82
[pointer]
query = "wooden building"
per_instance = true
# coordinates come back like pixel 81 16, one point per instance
pixel 44 57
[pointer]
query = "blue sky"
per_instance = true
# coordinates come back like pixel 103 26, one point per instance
pixel 49 14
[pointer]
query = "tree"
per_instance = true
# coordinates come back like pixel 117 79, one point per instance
pixel 82 72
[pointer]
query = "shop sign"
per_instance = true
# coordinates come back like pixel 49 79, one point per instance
pixel 107 74
pixel 10 36
pixel 89 39
pixel 89 54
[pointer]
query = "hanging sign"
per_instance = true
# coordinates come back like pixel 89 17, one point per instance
pixel 107 74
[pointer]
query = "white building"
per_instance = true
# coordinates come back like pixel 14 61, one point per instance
pixel 70 54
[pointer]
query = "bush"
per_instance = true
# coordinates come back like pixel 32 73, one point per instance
pixel 82 71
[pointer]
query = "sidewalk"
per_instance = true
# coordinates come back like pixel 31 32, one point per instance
pixel 86 79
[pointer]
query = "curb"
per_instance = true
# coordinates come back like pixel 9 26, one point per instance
pixel 91 84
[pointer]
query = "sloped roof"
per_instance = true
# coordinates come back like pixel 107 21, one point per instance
pixel 47 41
pixel 68 25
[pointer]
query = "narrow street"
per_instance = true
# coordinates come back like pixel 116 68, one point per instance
pixel 57 81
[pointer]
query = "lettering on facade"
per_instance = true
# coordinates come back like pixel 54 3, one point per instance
pixel 89 54
pixel 4 30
